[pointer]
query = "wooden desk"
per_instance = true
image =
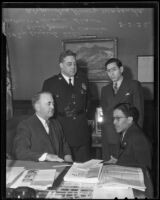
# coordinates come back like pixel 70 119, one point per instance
pixel 51 165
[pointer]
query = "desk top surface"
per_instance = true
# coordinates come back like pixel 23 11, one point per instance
pixel 58 166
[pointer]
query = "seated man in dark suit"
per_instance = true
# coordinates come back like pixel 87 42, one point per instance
pixel 41 139
pixel 135 148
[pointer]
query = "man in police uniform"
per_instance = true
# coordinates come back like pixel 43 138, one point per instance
pixel 70 91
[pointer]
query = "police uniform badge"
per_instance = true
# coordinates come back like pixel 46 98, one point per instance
pixel 123 145
pixel 84 86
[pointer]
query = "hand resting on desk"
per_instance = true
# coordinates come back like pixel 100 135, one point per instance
pixel 52 157
pixel 68 158
pixel 112 160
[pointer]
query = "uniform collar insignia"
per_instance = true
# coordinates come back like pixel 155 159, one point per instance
pixel 84 86
pixel 60 77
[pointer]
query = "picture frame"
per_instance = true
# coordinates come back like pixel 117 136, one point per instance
pixel 92 53
pixel 145 68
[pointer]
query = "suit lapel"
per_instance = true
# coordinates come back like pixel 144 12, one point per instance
pixel 54 136
pixel 40 129
pixel 123 143
pixel 121 92
pixel 39 126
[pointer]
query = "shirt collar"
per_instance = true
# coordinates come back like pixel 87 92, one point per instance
pixel 67 78
pixel 119 82
pixel 41 119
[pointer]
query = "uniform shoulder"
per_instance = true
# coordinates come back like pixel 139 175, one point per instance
pixel 54 77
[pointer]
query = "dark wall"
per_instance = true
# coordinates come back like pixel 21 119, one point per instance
pixel 35 58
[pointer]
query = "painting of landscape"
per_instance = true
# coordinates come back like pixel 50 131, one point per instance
pixel 92 55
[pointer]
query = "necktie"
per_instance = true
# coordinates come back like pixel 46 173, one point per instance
pixel 47 126
pixel 70 82
pixel 115 88
pixel 51 135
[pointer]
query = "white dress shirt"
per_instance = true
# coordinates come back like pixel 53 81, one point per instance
pixel 67 79
pixel 119 82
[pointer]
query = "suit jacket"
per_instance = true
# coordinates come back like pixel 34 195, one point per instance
pixel 135 149
pixel 70 101
pixel 31 140
pixel 130 91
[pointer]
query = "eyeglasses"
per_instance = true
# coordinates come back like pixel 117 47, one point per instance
pixel 118 118
pixel 112 70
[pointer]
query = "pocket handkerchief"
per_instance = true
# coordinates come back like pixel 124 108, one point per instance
pixel 127 94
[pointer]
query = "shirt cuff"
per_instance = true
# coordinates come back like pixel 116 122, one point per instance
pixel 43 157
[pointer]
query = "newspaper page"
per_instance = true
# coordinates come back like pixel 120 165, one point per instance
pixel 36 178
pixel 87 175
pixel 111 193
pixel 12 173
pixel 119 176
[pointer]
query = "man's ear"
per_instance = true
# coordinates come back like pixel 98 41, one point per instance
pixel 130 119
pixel 121 69
pixel 36 106
pixel 61 65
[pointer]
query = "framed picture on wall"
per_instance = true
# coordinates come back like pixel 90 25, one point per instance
pixel 146 69
pixel 92 53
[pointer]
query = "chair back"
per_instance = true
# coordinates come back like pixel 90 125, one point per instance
pixel 11 127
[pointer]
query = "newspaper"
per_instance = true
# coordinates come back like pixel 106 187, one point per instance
pixel 84 172
pixel 72 190
pixel 12 173
pixel 36 178
pixel 124 177
pixel 111 193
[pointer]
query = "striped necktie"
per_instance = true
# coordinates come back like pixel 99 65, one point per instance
pixel 70 82
pixel 47 126
pixel 115 88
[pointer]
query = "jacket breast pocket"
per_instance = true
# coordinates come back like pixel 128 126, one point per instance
pixel 128 97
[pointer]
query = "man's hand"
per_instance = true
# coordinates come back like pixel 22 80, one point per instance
pixel 68 158
pixel 111 161
pixel 53 157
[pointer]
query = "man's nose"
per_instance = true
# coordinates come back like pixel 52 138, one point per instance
pixel 52 106
pixel 114 121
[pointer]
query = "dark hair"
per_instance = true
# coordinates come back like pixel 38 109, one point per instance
pixel 113 60
pixel 128 110
pixel 65 54
pixel 37 96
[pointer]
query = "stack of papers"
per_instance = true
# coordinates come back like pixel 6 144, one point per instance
pixel 122 177
pixel 12 173
pixel 36 178
pixel 111 193
pixel 87 172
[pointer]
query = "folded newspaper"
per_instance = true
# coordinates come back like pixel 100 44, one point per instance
pixel 122 177
pixel 36 178
pixel 87 172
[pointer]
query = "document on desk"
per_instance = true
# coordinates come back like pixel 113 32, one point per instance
pixel 89 164
pixel 77 173
pixel 36 178
pixel 119 176
pixel 111 193
pixel 12 173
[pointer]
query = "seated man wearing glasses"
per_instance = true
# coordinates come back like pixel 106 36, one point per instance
pixel 135 149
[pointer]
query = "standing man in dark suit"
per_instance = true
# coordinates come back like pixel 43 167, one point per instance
pixel 135 149
pixel 120 90
pixel 41 139
pixel 70 91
